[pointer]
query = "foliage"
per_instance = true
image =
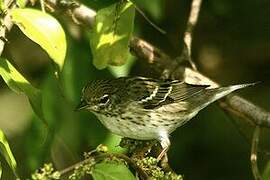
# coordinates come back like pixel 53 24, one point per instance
pixel 47 32
pixel 19 84
pixel 111 33
pixel 7 153
pixel 55 133
pixel 150 165
pixel 110 171
pixel 46 173
pixel 102 170
pixel 43 29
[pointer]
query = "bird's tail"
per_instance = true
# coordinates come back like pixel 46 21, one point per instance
pixel 223 91
pixel 214 94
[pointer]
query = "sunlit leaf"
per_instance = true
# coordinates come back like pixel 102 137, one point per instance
pixel 21 3
pixel 2 6
pixel 19 84
pixel 111 171
pixel 7 153
pixel 112 141
pixel 111 33
pixel 43 29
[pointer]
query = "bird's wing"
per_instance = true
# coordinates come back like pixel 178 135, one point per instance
pixel 184 91
pixel 153 94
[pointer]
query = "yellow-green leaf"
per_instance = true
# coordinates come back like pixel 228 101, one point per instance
pixel 7 153
pixel 111 171
pixel 0 170
pixel 21 3
pixel 109 38
pixel 19 84
pixel 43 29
pixel 2 8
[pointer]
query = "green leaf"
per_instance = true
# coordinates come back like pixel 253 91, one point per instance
pixel 1 170
pixel 111 140
pixel 111 33
pixel 7 153
pixel 19 84
pixel 2 8
pixel 21 3
pixel 111 171
pixel 43 29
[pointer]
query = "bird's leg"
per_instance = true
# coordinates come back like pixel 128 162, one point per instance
pixel 164 164
pixel 165 144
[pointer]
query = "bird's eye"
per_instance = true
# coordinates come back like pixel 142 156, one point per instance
pixel 104 99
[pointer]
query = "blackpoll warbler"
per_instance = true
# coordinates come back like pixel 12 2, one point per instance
pixel 143 108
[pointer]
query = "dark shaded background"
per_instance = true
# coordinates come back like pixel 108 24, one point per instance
pixel 231 45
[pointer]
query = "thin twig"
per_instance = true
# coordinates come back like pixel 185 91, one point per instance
pixel 161 62
pixel 243 132
pixel 80 13
pixel 6 24
pixel 42 5
pixel 253 155
pixel 141 172
pixel 164 163
pixel 192 21
pixel 72 167
pixel 149 21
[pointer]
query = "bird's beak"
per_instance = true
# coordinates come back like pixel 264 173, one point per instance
pixel 83 104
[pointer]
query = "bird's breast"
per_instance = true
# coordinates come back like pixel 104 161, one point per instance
pixel 143 124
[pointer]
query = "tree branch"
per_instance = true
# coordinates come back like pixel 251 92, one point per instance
pixel 192 21
pixel 253 155
pixel 163 64
pixel 80 13
pixel 6 24
pixel 130 162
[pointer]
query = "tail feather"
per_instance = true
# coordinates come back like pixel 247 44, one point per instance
pixel 240 86
pixel 223 91
pixel 215 94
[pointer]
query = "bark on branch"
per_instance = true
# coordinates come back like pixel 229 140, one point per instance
pixel 233 104
pixel 163 64
pixel 168 67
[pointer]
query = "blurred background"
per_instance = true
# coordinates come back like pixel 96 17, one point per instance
pixel 231 45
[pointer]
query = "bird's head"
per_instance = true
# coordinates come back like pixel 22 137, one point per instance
pixel 96 96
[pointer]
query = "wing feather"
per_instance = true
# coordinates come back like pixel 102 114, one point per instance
pixel 153 94
pixel 162 93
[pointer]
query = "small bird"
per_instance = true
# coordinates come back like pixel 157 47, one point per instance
pixel 144 108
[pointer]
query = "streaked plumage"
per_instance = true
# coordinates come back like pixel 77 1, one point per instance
pixel 143 108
